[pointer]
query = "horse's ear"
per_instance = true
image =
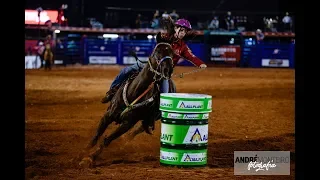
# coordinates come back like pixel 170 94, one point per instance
pixel 167 24
pixel 158 38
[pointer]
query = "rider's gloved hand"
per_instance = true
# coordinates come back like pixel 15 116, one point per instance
pixel 202 66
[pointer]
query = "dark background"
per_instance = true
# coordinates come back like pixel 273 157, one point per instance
pixel 126 11
pixel 88 8
pixel 257 6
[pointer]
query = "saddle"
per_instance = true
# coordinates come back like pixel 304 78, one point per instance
pixel 132 77
pixel 129 80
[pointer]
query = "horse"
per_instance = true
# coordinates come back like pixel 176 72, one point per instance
pixel 143 91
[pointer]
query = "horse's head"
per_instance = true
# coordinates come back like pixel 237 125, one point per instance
pixel 161 60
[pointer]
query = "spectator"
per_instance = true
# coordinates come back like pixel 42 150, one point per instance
pixel 174 15
pixel 156 14
pixel 48 57
pixel 229 21
pixel 165 15
pixel 95 24
pixel 287 22
pixel 49 40
pixel 268 22
pixel 155 21
pixel 259 36
pixel 138 21
pixel 214 24
pixel 276 24
pixel 40 52
pixel 61 19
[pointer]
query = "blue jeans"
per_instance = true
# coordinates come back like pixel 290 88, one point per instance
pixel 124 74
pixel 127 71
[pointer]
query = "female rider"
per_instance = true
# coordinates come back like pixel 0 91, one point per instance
pixel 176 34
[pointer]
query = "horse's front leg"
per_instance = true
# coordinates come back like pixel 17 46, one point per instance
pixel 123 128
pixel 105 121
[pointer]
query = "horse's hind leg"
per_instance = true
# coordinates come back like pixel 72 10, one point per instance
pixel 105 121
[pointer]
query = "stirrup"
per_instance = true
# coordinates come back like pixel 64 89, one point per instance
pixel 105 99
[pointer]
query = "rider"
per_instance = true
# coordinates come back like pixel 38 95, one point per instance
pixel 176 33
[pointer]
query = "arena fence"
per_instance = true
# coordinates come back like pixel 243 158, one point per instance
pixel 241 50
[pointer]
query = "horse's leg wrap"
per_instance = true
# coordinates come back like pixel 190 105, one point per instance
pixel 104 123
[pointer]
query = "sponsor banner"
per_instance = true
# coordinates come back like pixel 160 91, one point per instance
pixel 31 16
pixel 58 61
pixel 183 157
pixel 184 134
pixel 132 60
pixel 32 62
pixel 102 59
pixel 261 162
pixel 97 48
pixel 226 53
pixel 142 49
pixel 275 62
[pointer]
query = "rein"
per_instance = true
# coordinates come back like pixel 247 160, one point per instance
pixel 133 105
pixel 181 75
pixel 155 71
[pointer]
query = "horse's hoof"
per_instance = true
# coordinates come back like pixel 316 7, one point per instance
pixel 149 130
pixel 74 160
pixel 86 162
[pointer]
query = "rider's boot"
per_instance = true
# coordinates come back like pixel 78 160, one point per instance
pixel 109 95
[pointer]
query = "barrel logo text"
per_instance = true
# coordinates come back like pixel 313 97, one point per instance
pixel 166 103
pixel 190 105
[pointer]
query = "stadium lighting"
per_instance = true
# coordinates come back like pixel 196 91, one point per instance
pixel 112 36
pixel 57 31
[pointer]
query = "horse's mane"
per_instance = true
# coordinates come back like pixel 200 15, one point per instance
pixel 159 43
pixel 168 25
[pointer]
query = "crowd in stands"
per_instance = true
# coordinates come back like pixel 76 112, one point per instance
pixel 222 21
pixel 226 22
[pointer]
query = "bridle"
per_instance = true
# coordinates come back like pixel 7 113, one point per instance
pixel 133 105
pixel 159 61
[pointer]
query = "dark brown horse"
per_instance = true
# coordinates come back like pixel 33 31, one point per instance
pixel 137 99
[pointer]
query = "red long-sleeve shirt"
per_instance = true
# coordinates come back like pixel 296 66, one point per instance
pixel 181 50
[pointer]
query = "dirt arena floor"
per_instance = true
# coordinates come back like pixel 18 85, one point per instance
pixel 253 109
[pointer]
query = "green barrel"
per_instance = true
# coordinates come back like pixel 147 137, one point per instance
pixel 184 129
pixel 182 157
pixel 185 103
